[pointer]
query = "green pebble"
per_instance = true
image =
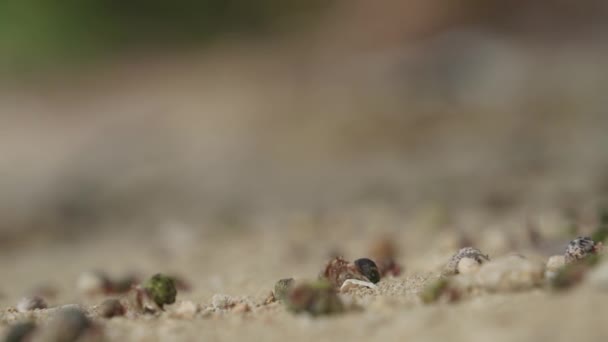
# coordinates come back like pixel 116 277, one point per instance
pixel 161 289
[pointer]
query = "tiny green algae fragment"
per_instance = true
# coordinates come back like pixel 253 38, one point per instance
pixel 433 291
pixel 161 289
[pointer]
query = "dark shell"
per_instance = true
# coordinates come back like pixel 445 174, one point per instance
pixel 369 269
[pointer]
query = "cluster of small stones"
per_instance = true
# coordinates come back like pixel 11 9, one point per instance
pixel 66 325
pixel 468 269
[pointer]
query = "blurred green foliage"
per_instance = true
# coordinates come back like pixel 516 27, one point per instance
pixel 45 32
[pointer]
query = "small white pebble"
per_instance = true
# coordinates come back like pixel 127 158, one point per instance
pixel 31 303
pixel 354 283
pixel 553 265
pixel 556 262
pixel 468 266
pixel 242 308
pixel 91 282
pixel 185 309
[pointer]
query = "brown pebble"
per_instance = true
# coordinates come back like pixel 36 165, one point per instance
pixel 111 308
pixel 241 308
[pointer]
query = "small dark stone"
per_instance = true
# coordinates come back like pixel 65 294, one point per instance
pixel 369 269
pixel 69 325
pixel 20 332
pixel 111 308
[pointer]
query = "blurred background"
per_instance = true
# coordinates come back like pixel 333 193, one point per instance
pixel 225 116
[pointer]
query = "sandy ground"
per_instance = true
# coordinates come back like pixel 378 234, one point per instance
pixel 246 265
pixel 233 173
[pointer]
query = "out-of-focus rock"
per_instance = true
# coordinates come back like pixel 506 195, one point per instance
pixel 554 264
pixel 468 266
pixel 31 303
pixel 598 278
pixel 510 273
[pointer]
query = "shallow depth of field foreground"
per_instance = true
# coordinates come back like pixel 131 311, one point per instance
pixel 304 171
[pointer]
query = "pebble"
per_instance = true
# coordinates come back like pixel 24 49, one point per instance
pixel 598 278
pixel 185 309
pixel 69 325
pixel 92 282
pixel 111 308
pixel 554 264
pixel 511 273
pixel 241 308
pixel 468 266
pixel 20 332
pixel 31 303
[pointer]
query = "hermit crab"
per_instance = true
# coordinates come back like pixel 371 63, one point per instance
pixel 338 271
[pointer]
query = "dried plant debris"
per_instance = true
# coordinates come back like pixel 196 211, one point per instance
pixel 581 248
pixel 451 268
pixel 20 332
pixel 384 253
pixel 31 303
pixel 339 270
pixel 111 308
pixel 440 289
pixel 161 289
pixel 282 287
pixel 315 298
